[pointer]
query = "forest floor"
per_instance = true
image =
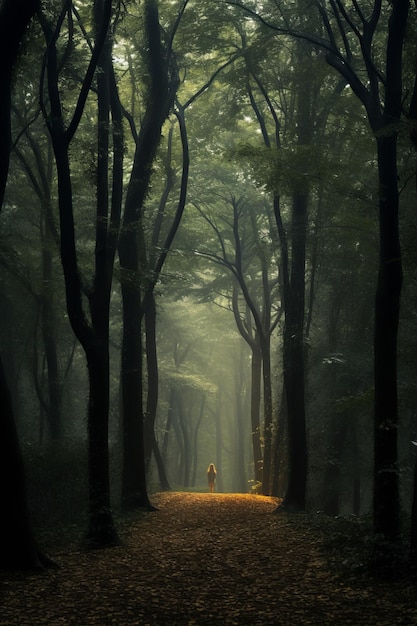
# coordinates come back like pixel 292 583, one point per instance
pixel 212 559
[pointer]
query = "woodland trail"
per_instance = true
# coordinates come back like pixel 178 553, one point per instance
pixel 209 560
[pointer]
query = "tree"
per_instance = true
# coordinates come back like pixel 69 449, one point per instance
pixel 132 255
pixel 94 335
pixel 294 278
pixel 39 172
pixel 18 546
pixel 244 254
pixel 155 263
pixel 292 196
pixel 384 113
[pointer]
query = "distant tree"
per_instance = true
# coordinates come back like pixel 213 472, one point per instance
pixel 185 412
pixel 36 161
pixel 343 358
pixel 241 397
pixel 196 368
pixel 266 97
pixel 243 253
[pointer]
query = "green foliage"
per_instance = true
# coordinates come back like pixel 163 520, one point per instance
pixel 282 170
pixel 186 381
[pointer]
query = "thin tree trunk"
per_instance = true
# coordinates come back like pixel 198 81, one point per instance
pixel 183 423
pixel 333 468
pixel 163 477
pixel 168 425
pixel 54 409
pixel 151 444
pixel 195 442
pixel 267 388
pixel 240 465
pixel 256 374
pixel 219 445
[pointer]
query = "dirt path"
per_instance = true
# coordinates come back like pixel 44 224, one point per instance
pixel 205 559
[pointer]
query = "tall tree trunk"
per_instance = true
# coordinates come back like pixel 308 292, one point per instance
pixel 150 442
pixel 18 549
pixel 167 430
pixel 186 438
pixel 132 257
pixel 93 337
pixel 333 468
pixel 219 444
pixel 294 299
pixel 293 350
pixel 386 500
pixel 17 544
pixel 101 531
pixel 387 307
pixel 134 487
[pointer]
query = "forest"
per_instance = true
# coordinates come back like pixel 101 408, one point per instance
pixel 207 255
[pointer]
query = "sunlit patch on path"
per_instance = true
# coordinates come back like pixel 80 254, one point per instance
pixel 204 559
